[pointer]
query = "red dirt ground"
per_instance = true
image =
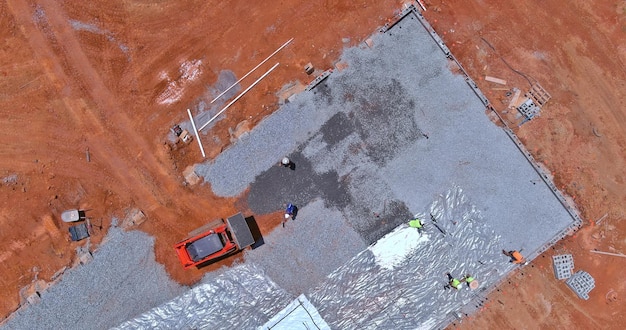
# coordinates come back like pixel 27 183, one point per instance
pixel 65 89
pixel 81 74
pixel 577 51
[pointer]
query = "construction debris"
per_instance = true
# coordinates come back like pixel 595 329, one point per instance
pixel 84 255
pixel 185 136
pixel 318 79
pixel 563 266
pixel 80 231
pixel 495 80
pixel 308 69
pixel 72 215
pixel 529 109
pixel 536 98
pixel 191 177
pixel 341 65
pixel 31 294
pixel 581 283
pixel 421 5
pixel 601 218
pixel 134 218
pixel 538 94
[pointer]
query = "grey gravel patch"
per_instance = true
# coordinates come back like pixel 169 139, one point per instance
pixel 309 248
pixel 323 93
pixel 122 281
pixel 382 110
pixel 204 110
pixel 279 185
pixel 372 225
pixel 225 79
pixel 337 128
pixel 10 179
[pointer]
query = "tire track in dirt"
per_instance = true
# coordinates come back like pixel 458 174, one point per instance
pixel 106 117
pixel 137 175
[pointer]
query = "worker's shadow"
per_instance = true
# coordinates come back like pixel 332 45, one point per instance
pixel 256 232
pixel 295 213
pixel 291 166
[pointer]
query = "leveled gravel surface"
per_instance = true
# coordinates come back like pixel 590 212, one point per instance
pixel 379 142
pixel 122 281
pixel 307 249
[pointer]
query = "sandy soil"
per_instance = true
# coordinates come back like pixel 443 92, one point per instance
pixel 577 52
pixel 108 77
pixel 100 76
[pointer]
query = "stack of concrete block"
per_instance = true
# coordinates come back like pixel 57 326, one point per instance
pixel 563 266
pixel 581 283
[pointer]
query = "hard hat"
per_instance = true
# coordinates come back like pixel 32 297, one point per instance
pixel 285 161
pixel 286 216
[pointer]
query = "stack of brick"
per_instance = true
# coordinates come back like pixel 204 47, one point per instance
pixel 563 266
pixel 581 283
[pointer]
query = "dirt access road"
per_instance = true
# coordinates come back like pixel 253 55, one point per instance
pixel 577 52
pixel 112 78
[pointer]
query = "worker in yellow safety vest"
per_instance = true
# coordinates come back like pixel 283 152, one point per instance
pixel 416 223
pixel 452 283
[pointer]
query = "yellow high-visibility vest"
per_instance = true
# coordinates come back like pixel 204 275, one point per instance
pixel 415 223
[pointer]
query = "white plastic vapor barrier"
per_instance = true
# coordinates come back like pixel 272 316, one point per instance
pixel 398 282
pixel 241 298
pixel 300 314
pixel 394 248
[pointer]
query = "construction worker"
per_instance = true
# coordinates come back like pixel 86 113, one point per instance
pixel 516 257
pixel 286 162
pixel 452 283
pixel 468 279
pixel 416 223
pixel 290 212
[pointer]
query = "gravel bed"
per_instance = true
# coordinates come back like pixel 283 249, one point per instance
pixel 122 281
pixel 307 249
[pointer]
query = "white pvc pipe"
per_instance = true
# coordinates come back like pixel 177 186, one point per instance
pixel 238 97
pixel 196 132
pixel 608 253
pixel 256 67
pixel 421 5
